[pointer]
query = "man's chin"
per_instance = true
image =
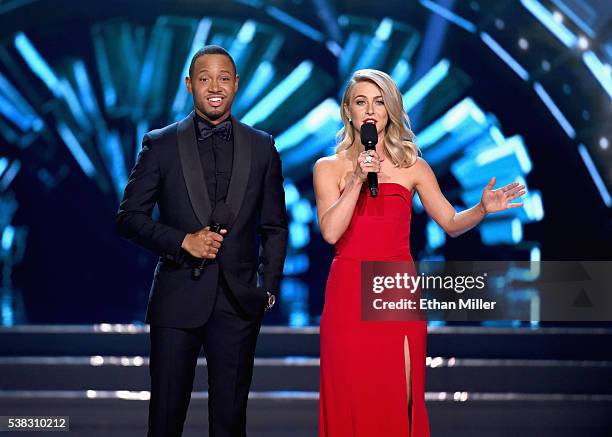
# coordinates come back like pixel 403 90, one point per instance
pixel 215 115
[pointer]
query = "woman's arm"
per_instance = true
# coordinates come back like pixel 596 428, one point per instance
pixel 335 208
pixel 454 223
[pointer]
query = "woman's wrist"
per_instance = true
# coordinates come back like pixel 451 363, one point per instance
pixel 482 209
pixel 356 181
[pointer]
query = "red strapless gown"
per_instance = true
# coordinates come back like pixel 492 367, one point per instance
pixel 363 377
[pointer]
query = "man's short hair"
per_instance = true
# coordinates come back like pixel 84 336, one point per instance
pixel 210 50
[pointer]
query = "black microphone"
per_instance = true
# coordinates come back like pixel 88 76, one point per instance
pixel 369 138
pixel 220 218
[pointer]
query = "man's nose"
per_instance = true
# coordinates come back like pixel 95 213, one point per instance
pixel 213 85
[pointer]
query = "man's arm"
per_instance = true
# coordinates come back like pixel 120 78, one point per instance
pixel 273 226
pixel 133 220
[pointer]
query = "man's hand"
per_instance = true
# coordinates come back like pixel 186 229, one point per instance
pixel 204 244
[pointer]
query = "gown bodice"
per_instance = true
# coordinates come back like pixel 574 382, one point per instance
pixel 380 226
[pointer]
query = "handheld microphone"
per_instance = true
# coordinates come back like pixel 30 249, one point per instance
pixel 369 138
pixel 220 218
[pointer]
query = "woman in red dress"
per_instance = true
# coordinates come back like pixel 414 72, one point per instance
pixel 373 372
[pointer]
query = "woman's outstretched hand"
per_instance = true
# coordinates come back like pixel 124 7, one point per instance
pixel 499 200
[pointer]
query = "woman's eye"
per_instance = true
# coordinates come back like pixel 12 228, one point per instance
pixel 380 102
pixel 360 102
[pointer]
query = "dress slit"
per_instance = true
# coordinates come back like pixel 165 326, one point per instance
pixel 409 388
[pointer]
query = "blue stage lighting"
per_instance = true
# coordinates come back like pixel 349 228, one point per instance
pixel 85 90
pixel 279 94
pixel 574 17
pixel 449 15
pixel 37 63
pixel 295 24
pixel 545 17
pixel 8 235
pixel 384 30
pixel 15 108
pixel 600 71
pixel 294 301
pixel 299 235
pixel 506 231
pixel 76 149
pixel 181 97
pixel 301 211
pixel 325 112
pixel 417 205
pixel 104 70
pixel 504 56
pixel 554 110
pixel 10 174
pixel 262 77
pixel 141 129
pixel 504 161
pixel 425 84
pixel 112 154
pixel 74 105
pixel 599 183
pixel 464 127
pixel 296 264
pixel 534 207
pixel 436 237
pixel 351 46
pixel 401 73
pixel 292 194
pixel 377 46
pixel 3 165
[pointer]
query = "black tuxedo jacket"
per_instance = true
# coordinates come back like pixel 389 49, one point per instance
pixel 168 173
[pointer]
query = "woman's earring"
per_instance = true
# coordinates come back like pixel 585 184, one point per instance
pixel 350 120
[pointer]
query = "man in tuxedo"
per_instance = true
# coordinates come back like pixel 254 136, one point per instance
pixel 189 169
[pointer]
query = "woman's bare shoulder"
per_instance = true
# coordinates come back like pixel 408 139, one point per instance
pixel 334 162
pixel 420 166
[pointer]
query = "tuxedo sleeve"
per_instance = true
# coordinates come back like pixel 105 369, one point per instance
pixel 134 221
pixel 273 224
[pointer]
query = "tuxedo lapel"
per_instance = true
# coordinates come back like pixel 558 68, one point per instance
pixel 241 167
pixel 192 170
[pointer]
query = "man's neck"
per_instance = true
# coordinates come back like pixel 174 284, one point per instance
pixel 213 122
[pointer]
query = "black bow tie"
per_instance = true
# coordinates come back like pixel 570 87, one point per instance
pixel 223 130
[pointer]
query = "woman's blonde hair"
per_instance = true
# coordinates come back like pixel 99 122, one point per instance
pixel 399 138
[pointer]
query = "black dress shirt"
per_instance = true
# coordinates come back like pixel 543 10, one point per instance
pixel 216 156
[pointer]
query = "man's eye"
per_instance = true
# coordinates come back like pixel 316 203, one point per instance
pixel 225 79
pixel 204 79
pixel 360 102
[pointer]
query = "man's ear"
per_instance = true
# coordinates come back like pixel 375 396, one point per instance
pixel 188 84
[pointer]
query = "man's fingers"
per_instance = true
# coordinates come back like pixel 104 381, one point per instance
pixel 215 237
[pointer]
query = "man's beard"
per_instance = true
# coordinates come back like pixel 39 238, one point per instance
pixel 217 114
